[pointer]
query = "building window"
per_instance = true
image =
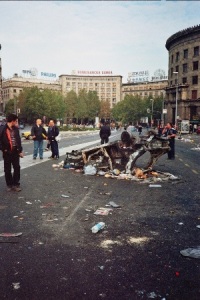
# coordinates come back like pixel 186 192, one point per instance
pixel 194 94
pixel 195 65
pixel 185 68
pixel 184 80
pixel 185 53
pixel 196 51
pixel 14 90
pixel 194 79
pixel 172 59
pixel 172 70
pixel 177 68
pixel 177 56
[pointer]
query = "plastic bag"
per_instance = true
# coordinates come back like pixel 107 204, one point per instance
pixel 90 170
pixel 58 138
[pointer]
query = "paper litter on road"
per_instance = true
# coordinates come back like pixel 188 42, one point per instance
pixel 103 211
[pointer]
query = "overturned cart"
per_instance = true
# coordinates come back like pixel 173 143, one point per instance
pixel 122 154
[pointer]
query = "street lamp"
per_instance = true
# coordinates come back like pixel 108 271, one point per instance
pixel 176 109
pixel 152 101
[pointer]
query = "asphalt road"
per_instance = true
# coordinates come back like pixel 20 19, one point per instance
pixel 136 256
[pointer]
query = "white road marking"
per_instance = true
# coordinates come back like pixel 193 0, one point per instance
pixel 28 161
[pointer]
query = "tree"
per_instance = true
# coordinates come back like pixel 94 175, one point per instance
pixel 9 107
pixel 105 110
pixel 71 103
pixel 93 105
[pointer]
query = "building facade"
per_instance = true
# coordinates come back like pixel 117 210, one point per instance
pixel 108 88
pixel 12 87
pixel 146 89
pixel 183 90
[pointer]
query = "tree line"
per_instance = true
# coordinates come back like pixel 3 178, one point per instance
pixel 84 107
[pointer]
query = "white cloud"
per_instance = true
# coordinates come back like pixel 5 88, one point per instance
pixel 62 36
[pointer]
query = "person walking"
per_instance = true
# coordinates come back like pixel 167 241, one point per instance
pixel 38 134
pixel 52 134
pixel 104 133
pixel 10 145
pixel 170 133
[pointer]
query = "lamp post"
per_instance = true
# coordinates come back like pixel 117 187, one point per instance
pixel 152 101
pixel 176 109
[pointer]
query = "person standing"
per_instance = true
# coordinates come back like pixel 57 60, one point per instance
pixel 53 132
pixel 10 145
pixel 104 133
pixel 38 134
pixel 170 133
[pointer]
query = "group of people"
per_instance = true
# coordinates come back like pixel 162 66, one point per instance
pixel 39 134
pixel 11 147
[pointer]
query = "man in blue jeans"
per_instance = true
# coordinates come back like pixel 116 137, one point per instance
pixel 38 134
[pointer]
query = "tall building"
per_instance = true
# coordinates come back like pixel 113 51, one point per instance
pixel 145 89
pixel 183 90
pixel 107 87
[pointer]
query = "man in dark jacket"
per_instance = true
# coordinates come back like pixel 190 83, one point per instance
pixel 53 132
pixel 38 134
pixel 170 133
pixel 10 145
pixel 104 133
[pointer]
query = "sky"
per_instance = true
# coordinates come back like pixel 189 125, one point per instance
pixel 119 36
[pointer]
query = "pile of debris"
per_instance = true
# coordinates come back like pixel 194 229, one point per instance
pixel 118 159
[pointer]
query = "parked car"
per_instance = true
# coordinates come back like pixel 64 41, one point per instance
pixel 27 135
pixel 198 130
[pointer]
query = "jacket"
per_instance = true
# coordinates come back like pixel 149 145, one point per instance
pixel 105 131
pixel 5 144
pixel 52 133
pixel 39 132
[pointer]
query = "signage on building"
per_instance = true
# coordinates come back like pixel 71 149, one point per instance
pixel 45 74
pixel 159 74
pixel 141 76
pixel 80 72
pixel 33 72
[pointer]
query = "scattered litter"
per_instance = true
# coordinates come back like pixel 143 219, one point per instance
pixel 90 170
pixel 191 252
pixel 16 285
pixel 116 172
pixel 87 209
pixel 113 204
pixel 28 202
pixel 8 234
pixel 97 227
pixel 15 217
pixel 65 196
pixel 101 173
pixel 109 243
pixel 3 206
pixel 86 218
pixel 85 187
pixel 38 201
pixel 155 185
pixel 46 205
pixel 101 267
pixel 180 223
pixel 103 211
pixel 198 226
pixel 106 193
pixel 152 295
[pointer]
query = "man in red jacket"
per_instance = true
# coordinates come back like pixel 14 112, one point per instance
pixel 10 144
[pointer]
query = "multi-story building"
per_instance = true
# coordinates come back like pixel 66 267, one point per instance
pixel 12 87
pixel 183 90
pixel 145 89
pixel 108 88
